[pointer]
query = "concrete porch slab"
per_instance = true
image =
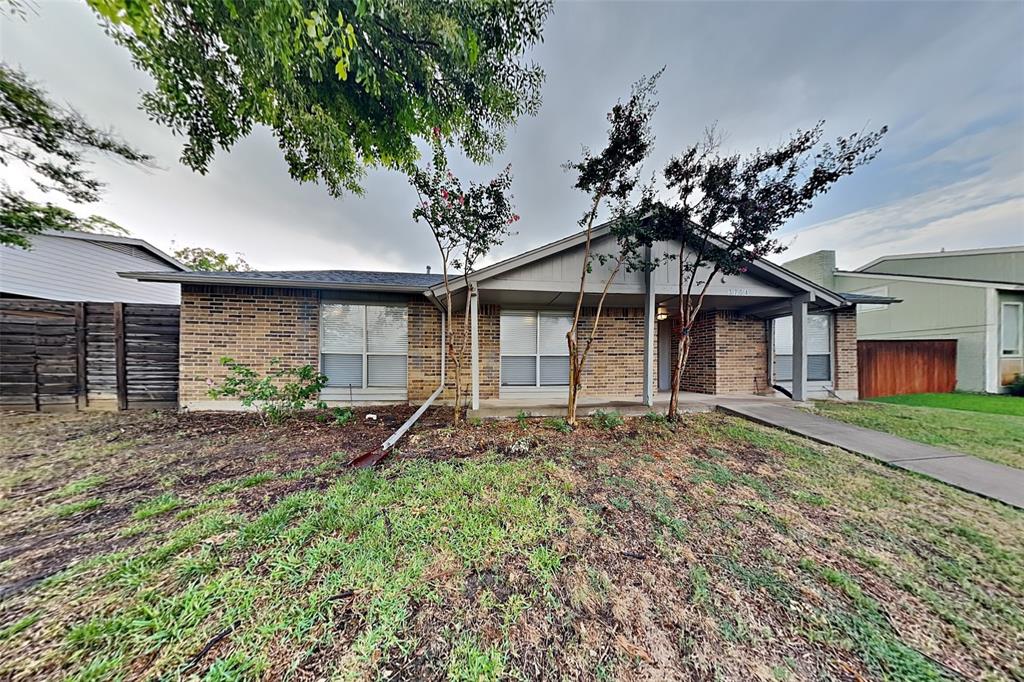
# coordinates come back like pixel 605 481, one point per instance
pixel 548 407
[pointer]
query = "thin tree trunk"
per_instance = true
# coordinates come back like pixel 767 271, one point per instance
pixel 575 365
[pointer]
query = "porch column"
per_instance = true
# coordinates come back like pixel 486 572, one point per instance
pixel 799 304
pixel 649 317
pixel 474 314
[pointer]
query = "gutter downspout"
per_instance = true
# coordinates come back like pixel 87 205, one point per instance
pixel 374 455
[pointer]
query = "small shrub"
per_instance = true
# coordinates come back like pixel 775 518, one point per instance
pixel 1016 386
pixel 606 420
pixel 655 418
pixel 342 415
pixel 273 400
pixel 522 417
pixel 557 424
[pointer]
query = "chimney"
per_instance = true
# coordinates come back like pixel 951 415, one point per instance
pixel 428 269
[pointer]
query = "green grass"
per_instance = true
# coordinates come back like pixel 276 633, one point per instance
pixel 378 535
pixel 995 437
pixel 161 504
pixel 712 549
pixel 969 402
pixel 72 508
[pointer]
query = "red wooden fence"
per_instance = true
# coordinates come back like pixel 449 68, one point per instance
pixel 898 367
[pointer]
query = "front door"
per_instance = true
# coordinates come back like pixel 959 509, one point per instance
pixel 665 355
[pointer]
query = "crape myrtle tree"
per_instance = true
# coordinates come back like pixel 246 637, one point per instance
pixel 727 209
pixel 343 84
pixel 612 176
pixel 467 222
pixel 49 143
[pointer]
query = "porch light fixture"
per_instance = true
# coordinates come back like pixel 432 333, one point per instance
pixel 661 313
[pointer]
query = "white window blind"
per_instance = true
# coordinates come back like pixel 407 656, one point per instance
pixel 364 346
pixel 1010 328
pixel 518 333
pixel 819 348
pixel 533 348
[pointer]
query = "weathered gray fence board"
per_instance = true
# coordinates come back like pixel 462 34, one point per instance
pixel 62 354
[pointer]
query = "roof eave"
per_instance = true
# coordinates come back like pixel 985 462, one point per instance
pixel 274 283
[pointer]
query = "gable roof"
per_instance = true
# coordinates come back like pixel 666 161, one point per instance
pixel 933 279
pixel 758 266
pixel 942 254
pixel 312 279
pixel 114 241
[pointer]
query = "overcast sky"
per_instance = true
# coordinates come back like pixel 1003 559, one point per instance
pixel 947 78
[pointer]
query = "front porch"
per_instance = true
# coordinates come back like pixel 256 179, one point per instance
pixel 688 403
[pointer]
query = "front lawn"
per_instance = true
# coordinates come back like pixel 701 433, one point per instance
pixel 145 546
pixel 971 402
pixel 995 437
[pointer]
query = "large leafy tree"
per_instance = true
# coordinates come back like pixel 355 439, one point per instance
pixel 343 84
pixel 727 209
pixel 50 143
pixel 467 222
pixel 206 259
pixel 612 176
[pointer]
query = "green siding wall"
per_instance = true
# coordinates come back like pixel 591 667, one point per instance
pixel 929 311
pixel 988 267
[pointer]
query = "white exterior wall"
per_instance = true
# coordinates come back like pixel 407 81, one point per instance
pixel 71 269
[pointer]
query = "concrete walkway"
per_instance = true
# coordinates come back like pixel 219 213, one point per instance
pixel 974 475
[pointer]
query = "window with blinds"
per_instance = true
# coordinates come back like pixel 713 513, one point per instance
pixel 819 348
pixel 533 348
pixel 364 346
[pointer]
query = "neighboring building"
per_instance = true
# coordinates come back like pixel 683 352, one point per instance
pixel 378 335
pixel 78 266
pixel 975 297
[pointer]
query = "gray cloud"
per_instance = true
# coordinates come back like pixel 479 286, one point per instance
pixel 947 78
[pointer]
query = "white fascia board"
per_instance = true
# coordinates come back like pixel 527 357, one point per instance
pixel 943 254
pixel 932 280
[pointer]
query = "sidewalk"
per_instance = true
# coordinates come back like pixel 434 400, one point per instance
pixel 974 475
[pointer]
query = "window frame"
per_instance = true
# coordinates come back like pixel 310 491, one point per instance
pixel 1019 350
pixel 536 355
pixel 365 354
pixel 772 360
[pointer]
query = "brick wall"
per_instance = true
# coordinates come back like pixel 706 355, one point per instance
pixel 846 349
pixel 741 354
pixel 615 366
pixel 728 354
pixel 251 325
pixel 424 352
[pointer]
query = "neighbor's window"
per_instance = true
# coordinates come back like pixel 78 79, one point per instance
pixel 533 348
pixel 1011 329
pixel 364 346
pixel 819 348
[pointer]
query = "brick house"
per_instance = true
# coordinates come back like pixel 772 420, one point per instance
pixel 377 336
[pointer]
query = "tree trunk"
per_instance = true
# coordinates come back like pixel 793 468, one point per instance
pixel 574 380
pixel 677 373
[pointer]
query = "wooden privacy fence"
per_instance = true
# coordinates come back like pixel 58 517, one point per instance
pixel 898 367
pixel 69 355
